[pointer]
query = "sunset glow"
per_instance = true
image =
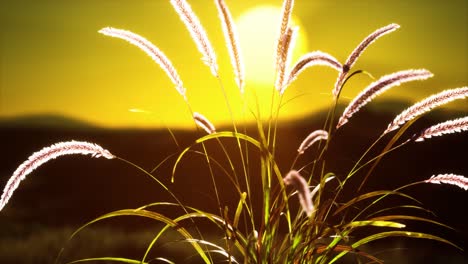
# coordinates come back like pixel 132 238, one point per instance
pixel 54 62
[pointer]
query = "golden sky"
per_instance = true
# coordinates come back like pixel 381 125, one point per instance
pixel 54 61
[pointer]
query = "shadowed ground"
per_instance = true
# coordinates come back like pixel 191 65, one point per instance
pixel 66 193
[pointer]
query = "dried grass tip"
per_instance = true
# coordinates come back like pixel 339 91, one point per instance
pixel 46 154
pixel 452 179
pixel 204 123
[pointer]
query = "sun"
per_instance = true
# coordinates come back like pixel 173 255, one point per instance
pixel 258 30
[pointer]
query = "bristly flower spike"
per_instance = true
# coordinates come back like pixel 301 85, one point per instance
pixel 151 50
pixel 378 87
pixel 426 105
pixel 230 34
pixel 46 154
pixel 305 195
pixel 358 51
pixel 300 184
pixel 453 179
pixel 286 11
pixel 198 33
pixel 204 123
pixel 289 39
pixel 311 139
pixel 312 59
pixel 447 127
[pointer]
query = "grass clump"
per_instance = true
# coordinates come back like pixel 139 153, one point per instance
pixel 300 214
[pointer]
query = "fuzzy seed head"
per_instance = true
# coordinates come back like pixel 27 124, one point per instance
pixel 358 51
pixel 427 105
pixel 453 179
pixel 312 59
pixel 151 50
pixel 311 139
pixel 300 184
pixel 46 154
pixel 198 33
pixel 230 34
pixel 288 42
pixel 447 127
pixel 378 87
pixel 204 123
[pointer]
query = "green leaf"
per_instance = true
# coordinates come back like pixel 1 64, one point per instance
pixel 380 223
pixel 152 215
pixel 382 235
pixel 123 260
pixel 401 234
pixel 217 135
pixel 370 195
pixel 409 217
pixel 239 209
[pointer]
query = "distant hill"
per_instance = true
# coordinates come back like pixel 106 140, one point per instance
pixel 383 107
pixel 46 120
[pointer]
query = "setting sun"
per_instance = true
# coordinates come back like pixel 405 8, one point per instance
pixel 258 33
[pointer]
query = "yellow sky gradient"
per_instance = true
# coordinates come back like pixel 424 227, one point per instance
pixel 53 60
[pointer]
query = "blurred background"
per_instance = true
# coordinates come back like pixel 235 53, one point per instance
pixel 53 60
pixel 61 80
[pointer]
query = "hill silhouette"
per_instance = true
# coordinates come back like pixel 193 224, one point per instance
pixel 45 121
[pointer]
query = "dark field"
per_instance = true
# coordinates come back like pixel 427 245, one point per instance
pixel 65 193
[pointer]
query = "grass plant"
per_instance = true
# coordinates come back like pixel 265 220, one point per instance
pixel 301 214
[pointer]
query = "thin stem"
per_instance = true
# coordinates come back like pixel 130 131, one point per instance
pixel 270 118
pixel 170 193
pixel 383 196
pixel 244 165
pixel 246 149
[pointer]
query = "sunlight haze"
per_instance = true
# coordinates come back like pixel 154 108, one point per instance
pixel 54 61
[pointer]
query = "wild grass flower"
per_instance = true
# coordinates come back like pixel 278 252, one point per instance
pixel 305 196
pixel 312 59
pixel 286 11
pixel 426 105
pixel 447 127
pixel 46 154
pixel 288 42
pixel 311 139
pixel 358 51
pixel 230 34
pixel 453 179
pixel 204 123
pixel 378 87
pixel 198 33
pixel 302 187
pixel 154 52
